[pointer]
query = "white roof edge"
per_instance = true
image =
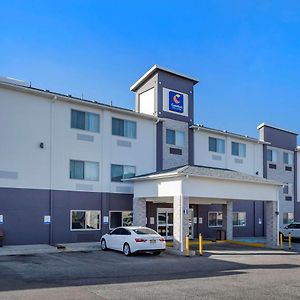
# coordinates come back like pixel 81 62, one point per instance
pixel 157 67
pixel 225 132
pixel 75 100
pixel 176 174
pixel 278 128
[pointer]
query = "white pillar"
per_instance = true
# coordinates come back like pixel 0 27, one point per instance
pixel 272 223
pixel 139 212
pixel 227 219
pixel 180 221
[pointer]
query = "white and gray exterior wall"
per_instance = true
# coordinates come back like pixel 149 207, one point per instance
pixel 38 144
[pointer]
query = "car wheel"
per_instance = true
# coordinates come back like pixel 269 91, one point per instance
pixel 103 245
pixel 126 249
pixel 156 252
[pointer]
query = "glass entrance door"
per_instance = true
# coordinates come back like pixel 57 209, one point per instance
pixel 165 222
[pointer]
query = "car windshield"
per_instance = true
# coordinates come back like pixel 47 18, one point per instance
pixel 144 231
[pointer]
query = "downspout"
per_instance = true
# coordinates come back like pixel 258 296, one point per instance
pixel 51 170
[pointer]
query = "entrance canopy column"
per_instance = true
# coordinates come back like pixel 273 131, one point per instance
pixel 227 219
pixel 181 221
pixel 139 211
pixel 272 233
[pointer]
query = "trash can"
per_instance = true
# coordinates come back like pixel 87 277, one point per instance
pixel 221 235
pixel 1 237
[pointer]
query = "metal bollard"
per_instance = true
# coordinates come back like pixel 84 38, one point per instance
pixel 281 240
pixel 187 245
pixel 200 244
pixel 290 241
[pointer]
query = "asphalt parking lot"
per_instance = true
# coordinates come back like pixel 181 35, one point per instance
pixel 224 272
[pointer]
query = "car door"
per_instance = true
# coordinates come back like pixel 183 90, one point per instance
pixel 114 239
pixel 297 231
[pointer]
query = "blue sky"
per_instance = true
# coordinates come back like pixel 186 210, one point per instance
pixel 245 53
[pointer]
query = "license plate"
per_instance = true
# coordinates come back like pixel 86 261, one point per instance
pixel 152 241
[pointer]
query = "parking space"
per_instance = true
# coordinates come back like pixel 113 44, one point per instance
pixel 224 270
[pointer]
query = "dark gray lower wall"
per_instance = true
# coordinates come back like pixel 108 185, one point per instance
pixel 23 211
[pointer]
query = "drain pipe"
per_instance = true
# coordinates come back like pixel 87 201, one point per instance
pixel 51 170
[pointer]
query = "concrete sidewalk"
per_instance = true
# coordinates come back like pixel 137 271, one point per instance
pixel 44 248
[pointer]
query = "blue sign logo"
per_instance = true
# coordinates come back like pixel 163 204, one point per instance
pixel 176 102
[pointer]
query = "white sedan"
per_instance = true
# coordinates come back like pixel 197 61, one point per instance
pixel 133 239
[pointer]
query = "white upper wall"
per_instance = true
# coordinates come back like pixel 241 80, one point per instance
pixel 251 163
pixel 26 120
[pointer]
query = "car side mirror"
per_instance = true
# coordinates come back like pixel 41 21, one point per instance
pixel 286 227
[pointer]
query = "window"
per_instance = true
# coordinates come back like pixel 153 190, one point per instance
pixel 85 170
pixel 175 137
pixel 85 219
pixel 124 128
pixel 85 120
pixel 287 158
pixel 216 145
pixel 238 149
pixel 272 155
pixel 119 172
pixel 120 218
pixel 215 219
pixel 239 219
pixel 288 218
pixel 287 191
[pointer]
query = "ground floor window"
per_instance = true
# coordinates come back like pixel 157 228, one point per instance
pixel 239 219
pixel 215 219
pixel 85 219
pixel 120 218
pixel 288 218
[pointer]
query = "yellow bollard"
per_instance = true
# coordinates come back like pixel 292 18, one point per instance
pixel 187 245
pixel 290 241
pixel 281 240
pixel 200 244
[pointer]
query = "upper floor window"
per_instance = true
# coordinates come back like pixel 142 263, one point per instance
pixel 216 145
pixel 124 128
pixel 238 149
pixel 85 120
pixel 175 138
pixel 272 155
pixel 85 170
pixel 119 172
pixel 287 158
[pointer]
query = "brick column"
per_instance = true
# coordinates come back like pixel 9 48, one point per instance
pixel 227 219
pixel 139 212
pixel 271 223
pixel 180 221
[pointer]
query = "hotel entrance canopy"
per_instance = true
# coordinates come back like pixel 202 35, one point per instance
pixel 204 185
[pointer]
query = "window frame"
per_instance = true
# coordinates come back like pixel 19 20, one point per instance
pixel 85 210
pixel 283 219
pixel 123 166
pixel 289 158
pixel 239 149
pixel 216 139
pixel 240 212
pixel 84 162
pixel 125 121
pixel 214 226
pixel 86 113
pixel 176 133
pixel 117 211
pixel 272 160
